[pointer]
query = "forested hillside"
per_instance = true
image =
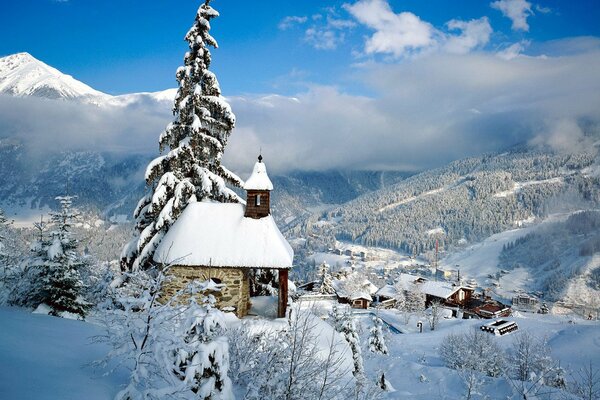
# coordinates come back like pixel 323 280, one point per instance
pixel 465 201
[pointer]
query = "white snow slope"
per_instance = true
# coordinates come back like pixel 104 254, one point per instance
pixel 44 357
pixel 47 358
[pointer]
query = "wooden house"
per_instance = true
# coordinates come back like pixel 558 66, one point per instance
pixel 451 294
pixel 362 301
pixel 223 242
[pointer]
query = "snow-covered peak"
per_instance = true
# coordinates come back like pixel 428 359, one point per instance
pixel 259 180
pixel 23 75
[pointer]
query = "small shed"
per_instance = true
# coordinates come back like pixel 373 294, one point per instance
pixel 361 300
pixel 222 242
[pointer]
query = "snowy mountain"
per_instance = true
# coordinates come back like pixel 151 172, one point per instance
pixel 111 184
pixel 23 75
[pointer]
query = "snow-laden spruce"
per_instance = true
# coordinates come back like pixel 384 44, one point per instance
pixel 344 323
pixel 191 169
pixel 52 276
pixel 376 338
pixel 326 280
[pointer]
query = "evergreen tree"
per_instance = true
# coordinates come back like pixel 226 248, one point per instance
pixel 344 323
pixel 202 363
pixel 326 282
pixel 62 283
pixel 376 339
pixel 191 170
pixel 52 275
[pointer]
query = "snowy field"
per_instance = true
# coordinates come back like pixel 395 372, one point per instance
pixel 43 357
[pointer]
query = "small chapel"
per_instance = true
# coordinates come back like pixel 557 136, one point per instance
pixel 223 242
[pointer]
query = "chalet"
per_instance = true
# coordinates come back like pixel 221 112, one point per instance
pixel 386 297
pixel 223 242
pixel 446 292
pixel 354 291
pixel 361 300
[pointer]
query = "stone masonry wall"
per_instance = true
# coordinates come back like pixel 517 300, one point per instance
pixel 236 292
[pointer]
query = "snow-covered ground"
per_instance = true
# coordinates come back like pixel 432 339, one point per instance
pixel 44 357
pixel 480 261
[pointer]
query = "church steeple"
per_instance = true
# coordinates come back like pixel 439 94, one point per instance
pixel 258 188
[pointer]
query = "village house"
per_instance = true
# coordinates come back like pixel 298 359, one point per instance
pixel 448 293
pixel 223 242
pixel 354 291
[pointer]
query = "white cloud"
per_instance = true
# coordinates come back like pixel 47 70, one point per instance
pixel 426 112
pixel 396 34
pixel 406 34
pixel 330 35
pixel 290 21
pixel 563 134
pixel 422 113
pixel 475 33
pixel 542 9
pixel 516 10
pixel 514 50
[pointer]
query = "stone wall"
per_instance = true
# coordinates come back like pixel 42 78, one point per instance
pixel 236 292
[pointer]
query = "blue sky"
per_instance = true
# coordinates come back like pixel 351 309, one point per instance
pixel 126 46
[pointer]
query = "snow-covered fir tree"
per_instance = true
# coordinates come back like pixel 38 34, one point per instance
pixel 376 338
pixel 344 323
pixel 326 281
pixel 202 362
pixel 63 285
pixel 191 169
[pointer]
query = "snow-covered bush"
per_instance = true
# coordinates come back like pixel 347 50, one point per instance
pixel 434 313
pixel 531 364
pixel 288 364
pixel 586 382
pixel 176 349
pixel 376 338
pixel 474 350
pixel 202 356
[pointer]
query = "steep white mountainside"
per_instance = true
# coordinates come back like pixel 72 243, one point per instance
pixel 23 75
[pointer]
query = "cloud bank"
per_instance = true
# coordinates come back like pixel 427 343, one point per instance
pixel 425 113
pixel 419 114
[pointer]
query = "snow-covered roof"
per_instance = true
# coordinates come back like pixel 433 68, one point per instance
pixel 407 280
pixel 387 291
pixel 259 180
pixel 359 296
pixel 354 287
pixel 439 289
pixel 218 234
